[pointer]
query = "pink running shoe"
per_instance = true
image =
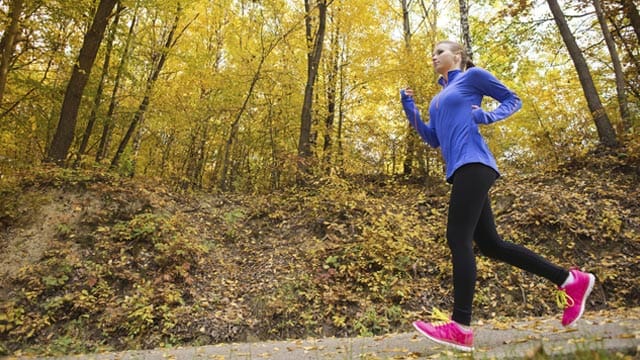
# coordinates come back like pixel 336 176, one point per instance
pixel 573 296
pixel 447 333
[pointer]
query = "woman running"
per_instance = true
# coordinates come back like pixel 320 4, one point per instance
pixel 454 116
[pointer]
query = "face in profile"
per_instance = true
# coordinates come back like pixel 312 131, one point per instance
pixel 445 59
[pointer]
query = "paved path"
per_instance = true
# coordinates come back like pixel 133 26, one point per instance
pixel 596 331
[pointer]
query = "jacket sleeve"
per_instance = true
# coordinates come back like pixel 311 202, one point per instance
pixel 489 85
pixel 426 131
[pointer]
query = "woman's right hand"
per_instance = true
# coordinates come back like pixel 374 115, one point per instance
pixel 408 92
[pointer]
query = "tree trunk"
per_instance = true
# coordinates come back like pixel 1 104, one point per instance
pixel 411 137
pixel 167 141
pixel 313 61
pixel 8 43
pixel 547 135
pixel 193 165
pixel 625 115
pixel 105 139
pixel 226 154
pixel 464 26
pixel 233 133
pixel 198 150
pixel 139 115
pixel 406 24
pixel 137 142
pixel 276 158
pixel 103 76
pixel 631 12
pixel 606 133
pixel 632 60
pixel 198 171
pixel 340 151
pixel 79 77
pixel 332 84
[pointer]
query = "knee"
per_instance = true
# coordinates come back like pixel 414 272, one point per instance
pixel 491 249
pixel 488 251
pixel 459 243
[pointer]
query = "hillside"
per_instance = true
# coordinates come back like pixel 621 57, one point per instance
pixel 92 262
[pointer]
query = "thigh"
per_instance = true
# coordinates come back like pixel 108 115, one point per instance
pixel 471 184
pixel 485 233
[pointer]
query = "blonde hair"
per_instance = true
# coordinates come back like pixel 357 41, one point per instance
pixel 456 48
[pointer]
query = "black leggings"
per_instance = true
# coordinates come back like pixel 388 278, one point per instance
pixel 470 218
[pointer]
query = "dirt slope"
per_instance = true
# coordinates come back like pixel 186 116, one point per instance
pixel 93 262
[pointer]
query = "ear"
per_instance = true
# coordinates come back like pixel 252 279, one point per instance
pixel 458 58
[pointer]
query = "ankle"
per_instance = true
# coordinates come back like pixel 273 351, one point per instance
pixel 570 279
pixel 462 326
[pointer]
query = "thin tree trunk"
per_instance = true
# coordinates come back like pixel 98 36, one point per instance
pixel 167 143
pixel 137 118
pixel 547 134
pixel 103 76
pixel 194 164
pixel 341 115
pixel 276 163
pixel 8 43
pixel 202 157
pixel 105 139
pixel 606 133
pixel 406 24
pixel 464 25
pixel 79 77
pixel 431 16
pixel 411 137
pixel 332 84
pixel 139 115
pixel 233 133
pixel 313 61
pixel 631 12
pixel 226 154
pixel 633 87
pixel 137 142
pixel 190 163
pixel 625 115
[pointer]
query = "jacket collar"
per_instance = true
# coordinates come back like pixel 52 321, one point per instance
pixel 452 75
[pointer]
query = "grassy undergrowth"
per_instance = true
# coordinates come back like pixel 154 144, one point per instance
pixel 95 262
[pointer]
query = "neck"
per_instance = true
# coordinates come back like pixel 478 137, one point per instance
pixel 445 75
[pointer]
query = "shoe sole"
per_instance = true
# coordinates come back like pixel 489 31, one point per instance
pixel 592 281
pixel 441 342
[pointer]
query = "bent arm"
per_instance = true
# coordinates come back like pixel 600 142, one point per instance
pixel 426 131
pixel 489 85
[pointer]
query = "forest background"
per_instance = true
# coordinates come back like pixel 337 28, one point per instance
pixel 176 145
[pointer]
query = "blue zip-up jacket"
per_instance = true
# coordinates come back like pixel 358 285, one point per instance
pixel 453 123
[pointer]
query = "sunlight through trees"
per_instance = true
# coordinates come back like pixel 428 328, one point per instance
pixel 248 95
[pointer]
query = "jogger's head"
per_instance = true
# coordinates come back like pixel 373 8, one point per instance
pixel 449 55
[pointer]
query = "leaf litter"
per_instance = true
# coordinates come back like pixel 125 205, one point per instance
pixel 139 265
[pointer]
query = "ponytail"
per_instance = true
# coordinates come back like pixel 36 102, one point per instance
pixel 469 64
